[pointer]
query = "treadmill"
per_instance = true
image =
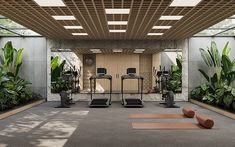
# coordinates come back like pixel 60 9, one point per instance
pixel 132 102
pixel 100 102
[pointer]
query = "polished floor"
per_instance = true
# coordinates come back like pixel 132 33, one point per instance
pixel 80 126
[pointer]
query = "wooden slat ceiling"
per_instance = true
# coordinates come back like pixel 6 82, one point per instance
pixel 144 14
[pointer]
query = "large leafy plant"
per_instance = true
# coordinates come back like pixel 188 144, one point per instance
pixel 212 58
pixel 57 68
pixel 13 89
pixel 175 80
pixel 11 59
pixel 220 78
pixel 7 96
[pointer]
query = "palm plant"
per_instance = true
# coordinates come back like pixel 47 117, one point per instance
pixel 175 81
pixel 13 89
pixel 220 78
pixel 212 58
pixel 57 69
pixel 228 67
pixel 11 59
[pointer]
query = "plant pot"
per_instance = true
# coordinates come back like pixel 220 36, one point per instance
pixel 64 97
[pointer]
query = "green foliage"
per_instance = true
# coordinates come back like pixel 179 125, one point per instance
pixel 212 58
pixel 13 89
pixel 59 85
pixel 220 78
pixel 175 81
pixel 57 68
pixel 11 59
pixel 205 75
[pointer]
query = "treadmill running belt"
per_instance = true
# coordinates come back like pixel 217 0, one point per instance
pixel 133 102
pixel 99 102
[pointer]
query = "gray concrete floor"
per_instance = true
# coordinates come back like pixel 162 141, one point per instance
pixel 80 126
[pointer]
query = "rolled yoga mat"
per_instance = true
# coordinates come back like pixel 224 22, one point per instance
pixel 166 126
pixel 205 121
pixel 187 113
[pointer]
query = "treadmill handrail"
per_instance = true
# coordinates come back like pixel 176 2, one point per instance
pixel 131 77
pixel 124 77
pixel 94 77
pixel 101 77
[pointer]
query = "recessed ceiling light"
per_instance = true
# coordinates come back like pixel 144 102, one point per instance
pixel 96 51
pixel 64 17
pixel 117 22
pixel 50 3
pixel 73 27
pixel 171 17
pixel 117 31
pixel 79 34
pixel 155 34
pixel 117 50
pixel 161 27
pixel 140 50
pixel 184 3
pixel 117 11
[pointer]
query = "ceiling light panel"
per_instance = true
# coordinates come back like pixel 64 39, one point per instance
pixel 171 17
pixel 73 27
pixel 117 11
pixel 117 22
pixel 184 3
pixel 50 3
pixel 155 34
pixel 161 27
pixel 117 50
pixel 96 51
pixel 139 50
pixel 79 34
pixel 117 31
pixel 64 17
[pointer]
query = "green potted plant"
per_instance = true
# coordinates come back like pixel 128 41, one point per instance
pixel 175 82
pixel 57 69
pixel 61 87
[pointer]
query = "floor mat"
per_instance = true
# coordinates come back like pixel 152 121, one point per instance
pixel 156 116
pixel 166 126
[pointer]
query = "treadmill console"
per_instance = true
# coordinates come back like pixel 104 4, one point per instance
pixel 101 71
pixel 131 71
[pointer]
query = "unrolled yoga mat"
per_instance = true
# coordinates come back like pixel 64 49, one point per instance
pixel 156 116
pixel 166 126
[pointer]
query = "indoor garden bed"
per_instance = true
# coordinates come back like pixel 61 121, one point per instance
pixel 219 88
pixel 14 90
